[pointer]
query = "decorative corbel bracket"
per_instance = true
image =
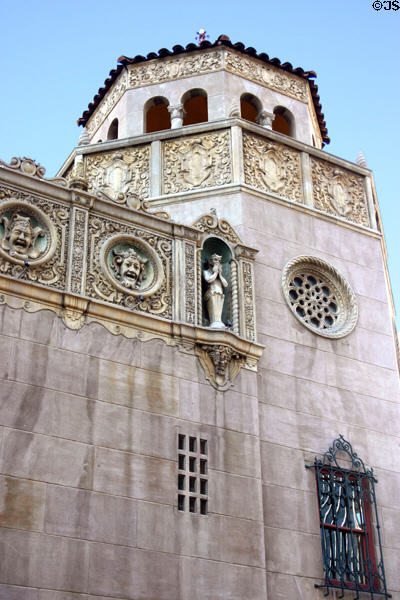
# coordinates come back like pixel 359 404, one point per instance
pixel 221 364
pixel 73 311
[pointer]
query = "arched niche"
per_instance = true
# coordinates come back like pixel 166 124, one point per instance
pixel 156 115
pixel 214 245
pixel 250 107
pixel 113 130
pixel 283 121
pixel 195 106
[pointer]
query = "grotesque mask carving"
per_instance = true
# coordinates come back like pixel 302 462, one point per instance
pixel 129 268
pixel 20 237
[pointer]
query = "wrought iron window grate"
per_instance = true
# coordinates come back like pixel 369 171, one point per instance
pixel 348 518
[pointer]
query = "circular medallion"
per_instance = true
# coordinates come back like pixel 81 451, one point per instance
pixel 131 265
pixel 319 296
pixel 27 236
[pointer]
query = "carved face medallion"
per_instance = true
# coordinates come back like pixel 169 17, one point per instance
pixel 25 234
pixel 131 265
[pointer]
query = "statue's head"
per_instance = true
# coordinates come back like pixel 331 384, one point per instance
pixel 214 259
pixel 129 267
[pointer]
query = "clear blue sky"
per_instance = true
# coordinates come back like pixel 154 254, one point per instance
pixel 56 54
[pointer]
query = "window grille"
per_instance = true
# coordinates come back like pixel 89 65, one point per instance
pixel 347 509
pixel 192 474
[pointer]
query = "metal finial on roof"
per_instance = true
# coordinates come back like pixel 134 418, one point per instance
pixel 201 36
pixel 360 160
pixel 84 138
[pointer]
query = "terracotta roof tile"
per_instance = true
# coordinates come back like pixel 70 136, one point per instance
pixel 222 40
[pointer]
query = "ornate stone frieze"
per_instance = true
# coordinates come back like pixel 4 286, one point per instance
pixel 120 176
pixel 190 283
pixel 196 162
pixel 266 75
pixel 107 104
pixel 34 233
pixel 249 304
pixel 113 270
pixel 272 167
pixel 219 227
pixel 339 192
pixel 159 71
pixel 221 364
pixel 31 167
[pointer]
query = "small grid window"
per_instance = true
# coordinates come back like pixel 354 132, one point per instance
pixel 192 474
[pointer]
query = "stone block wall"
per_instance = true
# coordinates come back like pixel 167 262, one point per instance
pixel 88 465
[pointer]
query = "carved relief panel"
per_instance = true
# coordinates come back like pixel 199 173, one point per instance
pixel 33 238
pixel 129 266
pixel 266 75
pixel 120 176
pixel 196 162
pixel 339 192
pixel 272 167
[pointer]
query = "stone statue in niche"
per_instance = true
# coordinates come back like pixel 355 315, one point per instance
pixel 214 295
pixel 20 237
pixel 129 268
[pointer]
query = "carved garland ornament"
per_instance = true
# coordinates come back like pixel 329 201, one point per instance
pixel 113 273
pixel 339 192
pixel 272 167
pixel 196 162
pixel 319 296
pixel 33 236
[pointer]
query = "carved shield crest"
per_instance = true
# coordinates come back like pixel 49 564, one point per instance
pixel 196 164
pixel 271 171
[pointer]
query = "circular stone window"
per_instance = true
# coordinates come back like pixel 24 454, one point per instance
pixel 132 265
pixel 319 296
pixel 27 236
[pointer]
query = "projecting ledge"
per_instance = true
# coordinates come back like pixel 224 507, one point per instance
pixel 222 353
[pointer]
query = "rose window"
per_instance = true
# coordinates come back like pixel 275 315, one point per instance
pixel 319 296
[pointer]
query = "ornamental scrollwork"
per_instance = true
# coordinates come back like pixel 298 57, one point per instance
pixel 113 269
pixel 185 66
pixel 339 192
pixel 248 296
pixel 122 177
pixel 190 283
pixel 33 238
pixel 210 223
pixel 272 167
pixel 80 219
pixel 31 167
pixel 196 162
